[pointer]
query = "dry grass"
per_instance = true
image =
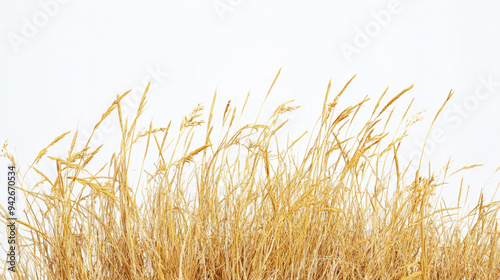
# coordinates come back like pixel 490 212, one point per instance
pixel 341 211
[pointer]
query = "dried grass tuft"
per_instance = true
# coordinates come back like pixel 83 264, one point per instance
pixel 344 210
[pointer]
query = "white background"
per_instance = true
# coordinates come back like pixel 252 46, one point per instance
pixel 63 63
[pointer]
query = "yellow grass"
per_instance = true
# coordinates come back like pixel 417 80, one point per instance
pixel 341 211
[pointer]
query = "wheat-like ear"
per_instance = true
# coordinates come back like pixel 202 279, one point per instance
pixel 110 109
pixel 44 150
pixel 394 99
pixel 6 154
pixel 140 110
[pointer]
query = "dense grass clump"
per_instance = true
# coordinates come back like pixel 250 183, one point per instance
pixel 242 206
